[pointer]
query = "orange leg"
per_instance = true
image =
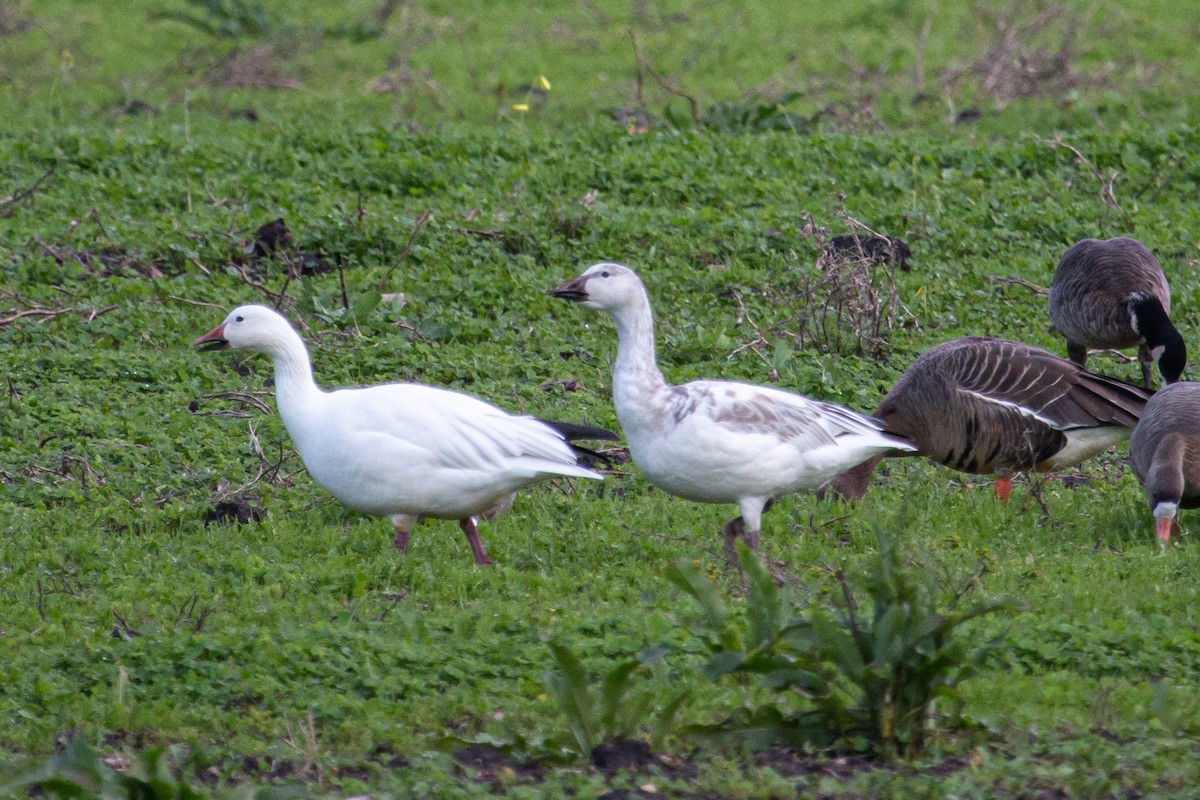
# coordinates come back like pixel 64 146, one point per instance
pixel 1003 489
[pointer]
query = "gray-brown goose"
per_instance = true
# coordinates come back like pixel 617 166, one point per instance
pixel 1113 293
pixel 1165 453
pixel 988 406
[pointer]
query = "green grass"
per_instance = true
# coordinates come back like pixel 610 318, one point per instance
pixel 127 620
pixel 445 65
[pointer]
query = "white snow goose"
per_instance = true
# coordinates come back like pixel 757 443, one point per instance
pixel 1165 453
pixel 717 441
pixel 990 406
pixel 403 450
pixel 1113 293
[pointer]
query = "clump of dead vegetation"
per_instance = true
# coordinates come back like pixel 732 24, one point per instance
pixel 15 17
pixel 1017 50
pixel 250 47
pixel 849 301
pixel 258 65
pixel 1029 50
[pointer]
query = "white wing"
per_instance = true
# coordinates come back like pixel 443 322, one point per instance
pixel 418 450
pixel 762 410
pixel 459 431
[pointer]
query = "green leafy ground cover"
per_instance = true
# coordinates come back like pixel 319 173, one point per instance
pixel 881 64
pixel 301 648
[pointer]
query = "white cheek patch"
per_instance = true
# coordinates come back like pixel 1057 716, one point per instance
pixel 1165 509
pixel 1157 352
pixel 1133 322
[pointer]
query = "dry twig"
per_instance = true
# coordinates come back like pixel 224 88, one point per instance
pixel 667 86
pixel 1106 182
pixel 424 217
pixel 8 205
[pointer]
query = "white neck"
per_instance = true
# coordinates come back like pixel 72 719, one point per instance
pixel 296 393
pixel 636 376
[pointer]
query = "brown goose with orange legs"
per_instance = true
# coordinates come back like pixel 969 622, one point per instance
pixel 990 406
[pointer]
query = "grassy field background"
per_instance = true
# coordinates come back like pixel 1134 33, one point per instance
pixel 300 648
pixel 877 66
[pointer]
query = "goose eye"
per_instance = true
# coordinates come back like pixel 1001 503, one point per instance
pixel 238 319
pixel 604 274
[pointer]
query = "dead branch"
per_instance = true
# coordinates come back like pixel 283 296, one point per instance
pixel 1163 182
pixel 395 598
pixel 199 303
pixel 423 218
pixel 241 398
pixel 278 299
pixel 666 85
pixel 1106 182
pixel 8 206
pixel 41 312
pixel 919 56
pixel 1004 280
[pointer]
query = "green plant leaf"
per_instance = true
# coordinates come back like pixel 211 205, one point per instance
pixel 838 644
pixel 569 685
pixel 688 577
pixel 764 607
pixel 613 689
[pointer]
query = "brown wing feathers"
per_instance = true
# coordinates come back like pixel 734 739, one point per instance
pixel 988 405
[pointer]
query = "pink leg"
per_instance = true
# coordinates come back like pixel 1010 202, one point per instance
pixel 468 527
pixel 734 529
pixel 402 538
pixel 1003 489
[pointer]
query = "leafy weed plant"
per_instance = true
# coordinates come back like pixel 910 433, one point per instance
pixel 79 772
pixel 866 670
pixel 615 710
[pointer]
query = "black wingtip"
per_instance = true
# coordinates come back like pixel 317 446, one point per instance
pixel 575 432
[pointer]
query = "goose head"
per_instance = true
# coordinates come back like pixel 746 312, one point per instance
pixel 255 328
pixel 606 286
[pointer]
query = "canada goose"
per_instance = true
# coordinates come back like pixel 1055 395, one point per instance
pixel 1165 453
pixel 717 441
pixel 987 406
pixel 1113 293
pixel 403 450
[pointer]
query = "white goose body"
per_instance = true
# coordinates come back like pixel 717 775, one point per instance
pixel 717 441
pixel 403 451
pixel 421 451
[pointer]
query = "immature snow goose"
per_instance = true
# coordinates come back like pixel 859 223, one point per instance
pixel 1113 293
pixel 1165 453
pixel 401 450
pixel 716 441
pixel 991 406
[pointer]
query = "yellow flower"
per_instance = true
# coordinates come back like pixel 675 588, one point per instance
pixel 520 106
pixel 545 83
